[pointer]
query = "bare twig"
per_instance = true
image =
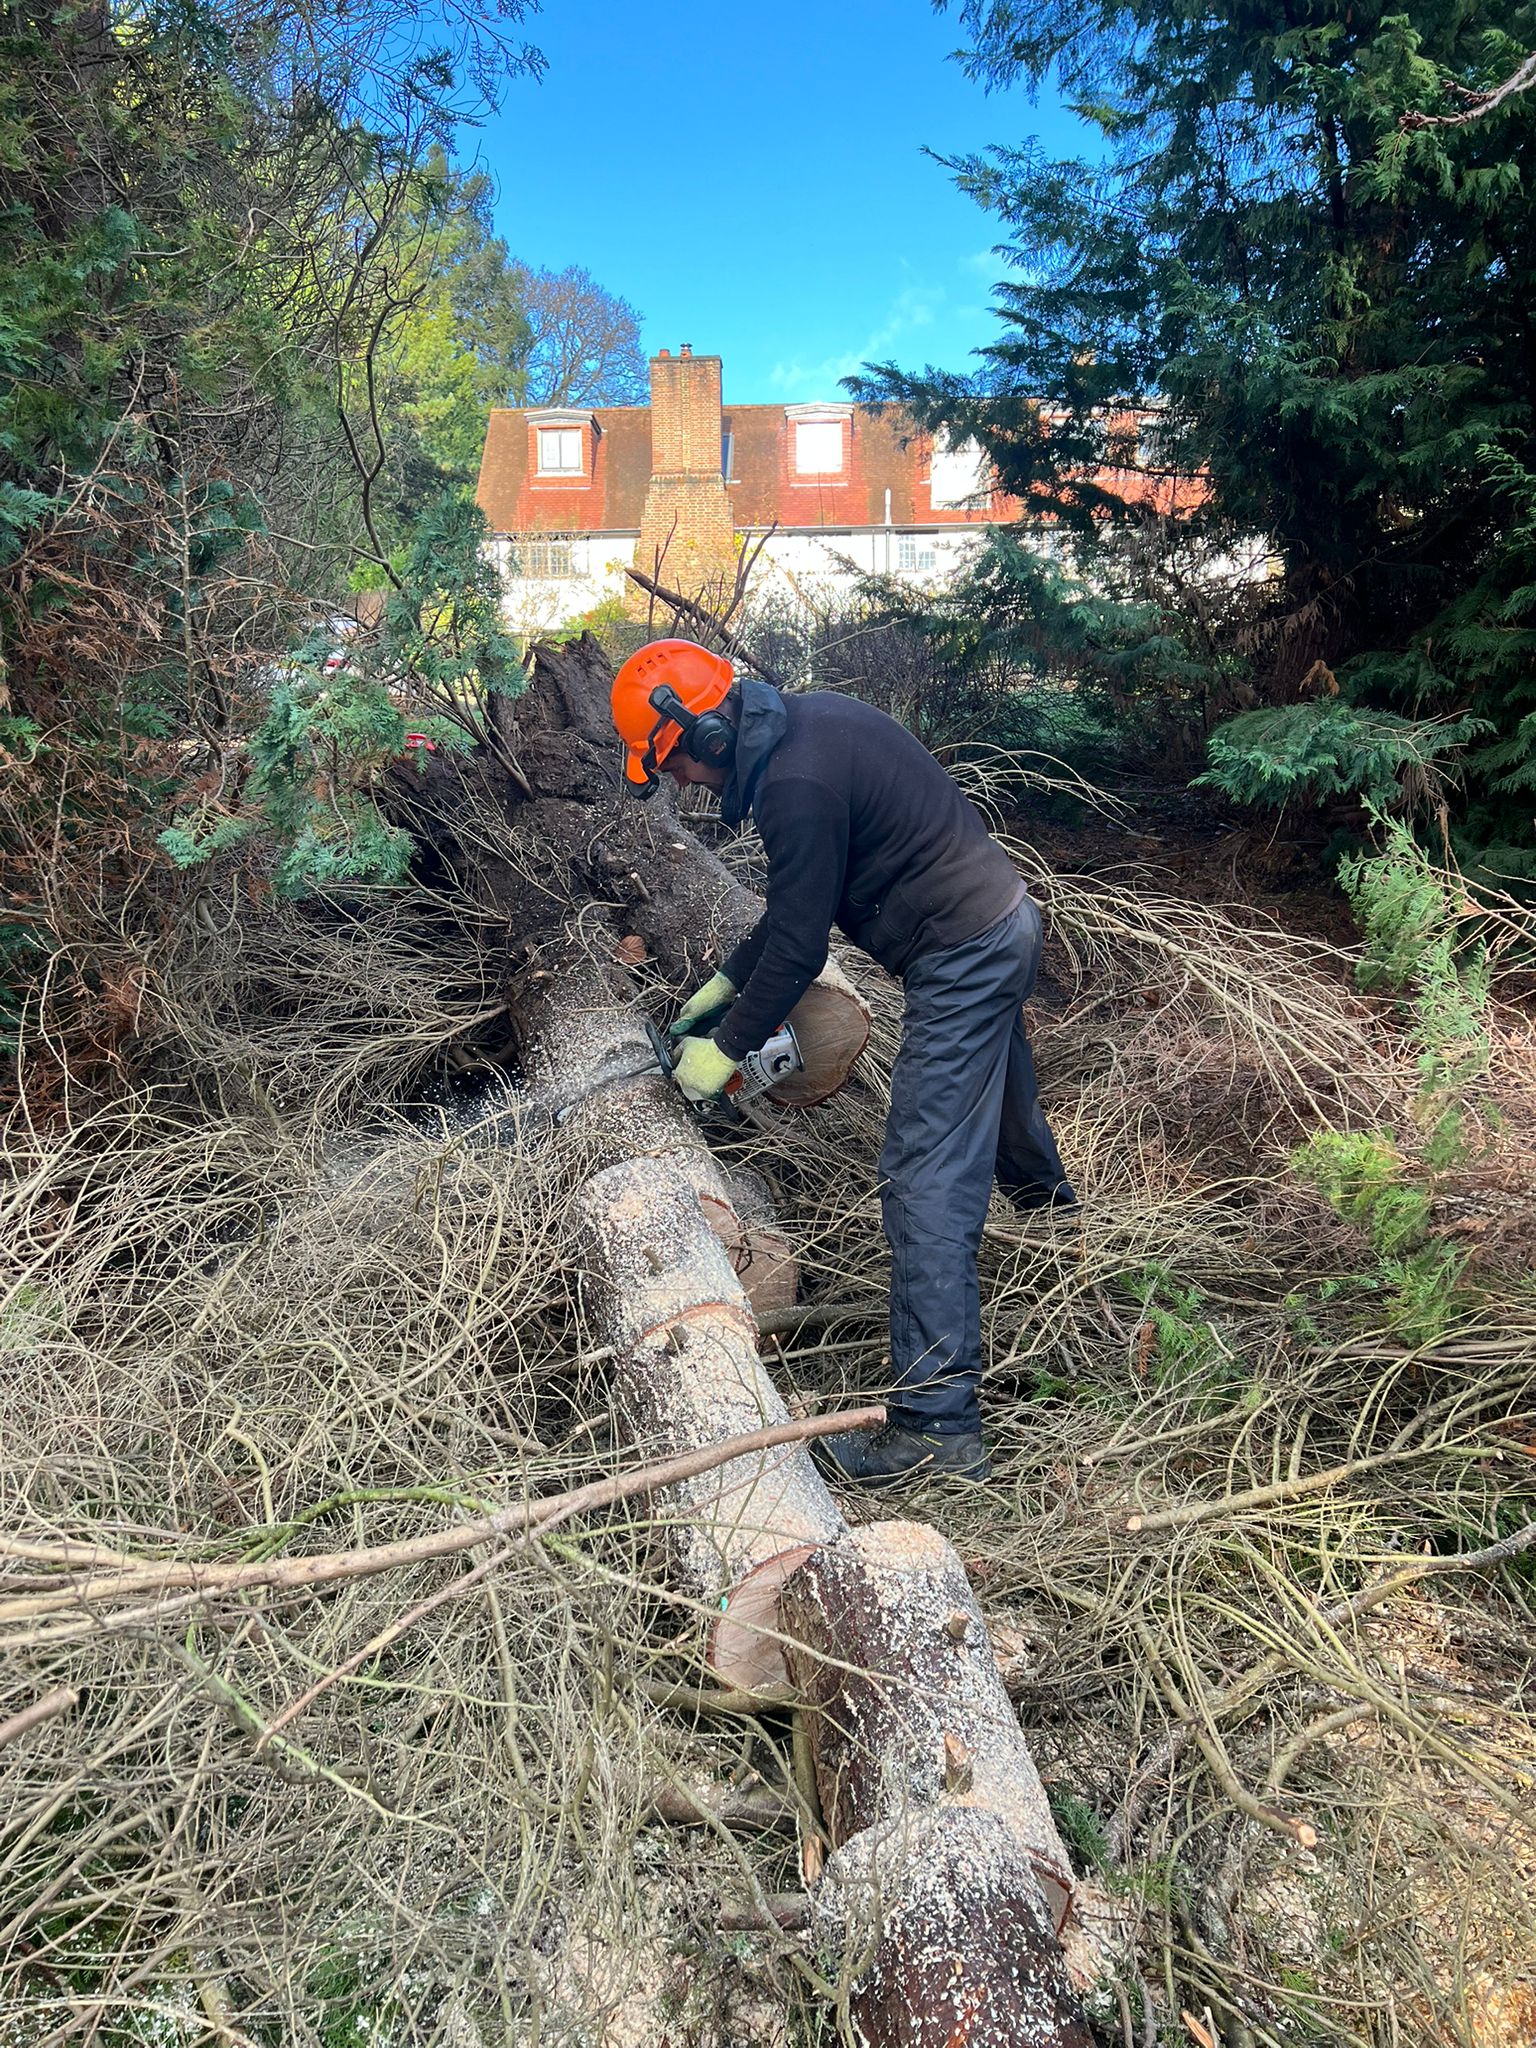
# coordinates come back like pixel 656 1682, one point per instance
pixel 48 1708
pixel 528 1519
pixel 1476 106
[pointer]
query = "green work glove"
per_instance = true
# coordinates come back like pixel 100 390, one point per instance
pixel 715 996
pixel 702 1069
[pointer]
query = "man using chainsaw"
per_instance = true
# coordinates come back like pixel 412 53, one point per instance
pixel 863 829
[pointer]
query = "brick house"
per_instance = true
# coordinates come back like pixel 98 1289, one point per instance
pixel 573 496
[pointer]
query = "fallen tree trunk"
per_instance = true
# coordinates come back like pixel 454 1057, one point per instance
pixel 689 1371
pixel 937 1889
pixel 947 1870
pixel 663 1292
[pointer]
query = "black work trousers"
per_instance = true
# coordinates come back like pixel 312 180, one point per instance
pixel 964 1108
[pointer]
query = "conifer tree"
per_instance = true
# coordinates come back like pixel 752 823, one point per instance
pixel 1329 293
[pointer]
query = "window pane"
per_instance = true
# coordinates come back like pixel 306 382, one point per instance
pixel 560 451
pixel 959 475
pixel 540 559
pixel 819 447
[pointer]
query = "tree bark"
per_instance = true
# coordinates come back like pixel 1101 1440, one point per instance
pixel 949 1880
pixel 947 1940
pixel 662 1290
pixel 922 1715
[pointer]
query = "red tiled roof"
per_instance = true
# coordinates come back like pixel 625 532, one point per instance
pixel 885 454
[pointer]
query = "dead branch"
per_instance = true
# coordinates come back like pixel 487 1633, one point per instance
pixel 528 1520
pixel 48 1708
pixel 708 623
pixel 1476 106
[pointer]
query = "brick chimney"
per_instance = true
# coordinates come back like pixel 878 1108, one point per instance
pixel 687 516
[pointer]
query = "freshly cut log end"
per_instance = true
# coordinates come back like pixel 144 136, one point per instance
pixel 687 1373
pixel 915 1710
pixel 745 1645
pixel 831 1026
pixel 949 1943
pixel 762 1258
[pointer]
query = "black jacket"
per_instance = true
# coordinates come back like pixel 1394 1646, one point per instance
pixel 863 829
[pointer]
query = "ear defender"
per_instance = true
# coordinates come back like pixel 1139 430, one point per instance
pixel 708 737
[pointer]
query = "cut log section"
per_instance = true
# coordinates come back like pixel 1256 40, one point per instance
pixel 949 1884
pixel 662 1288
pixel 762 1256
pixel 889 1644
pixel 946 1936
pixel 689 1374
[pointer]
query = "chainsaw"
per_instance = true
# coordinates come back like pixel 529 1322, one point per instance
pixel 772 1063
pixel 759 1071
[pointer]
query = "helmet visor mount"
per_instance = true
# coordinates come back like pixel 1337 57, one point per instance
pixel 643 771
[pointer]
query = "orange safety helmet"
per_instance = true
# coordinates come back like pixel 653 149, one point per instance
pixel 701 680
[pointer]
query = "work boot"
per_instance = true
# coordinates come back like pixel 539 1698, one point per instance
pixel 880 1457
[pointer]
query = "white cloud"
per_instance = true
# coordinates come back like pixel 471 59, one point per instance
pixel 797 381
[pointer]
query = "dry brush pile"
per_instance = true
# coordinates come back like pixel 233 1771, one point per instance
pixel 1261 1560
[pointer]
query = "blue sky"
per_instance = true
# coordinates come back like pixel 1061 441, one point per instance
pixel 752 179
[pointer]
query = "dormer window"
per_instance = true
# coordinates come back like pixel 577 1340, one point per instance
pixel 560 451
pixel 960 478
pixel 564 442
pixel 819 439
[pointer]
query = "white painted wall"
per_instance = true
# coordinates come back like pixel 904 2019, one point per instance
pixel 536 604
pixel 814 567
pixel 825 563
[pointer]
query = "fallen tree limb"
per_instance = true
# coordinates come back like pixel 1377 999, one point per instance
pixel 38 1714
pixel 819 1315
pixel 766 1811
pixel 1239 1691
pixel 788 1912
pixel 1297 1828
pixel 1281 1491
pixel 526 1519
pixel 715 1699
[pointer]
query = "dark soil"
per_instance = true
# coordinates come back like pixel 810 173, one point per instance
pixel 1185 843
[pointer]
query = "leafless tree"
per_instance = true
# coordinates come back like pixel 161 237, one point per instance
pixel 584 346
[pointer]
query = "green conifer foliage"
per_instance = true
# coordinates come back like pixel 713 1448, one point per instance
pixel 1334 311
pixel 215 223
